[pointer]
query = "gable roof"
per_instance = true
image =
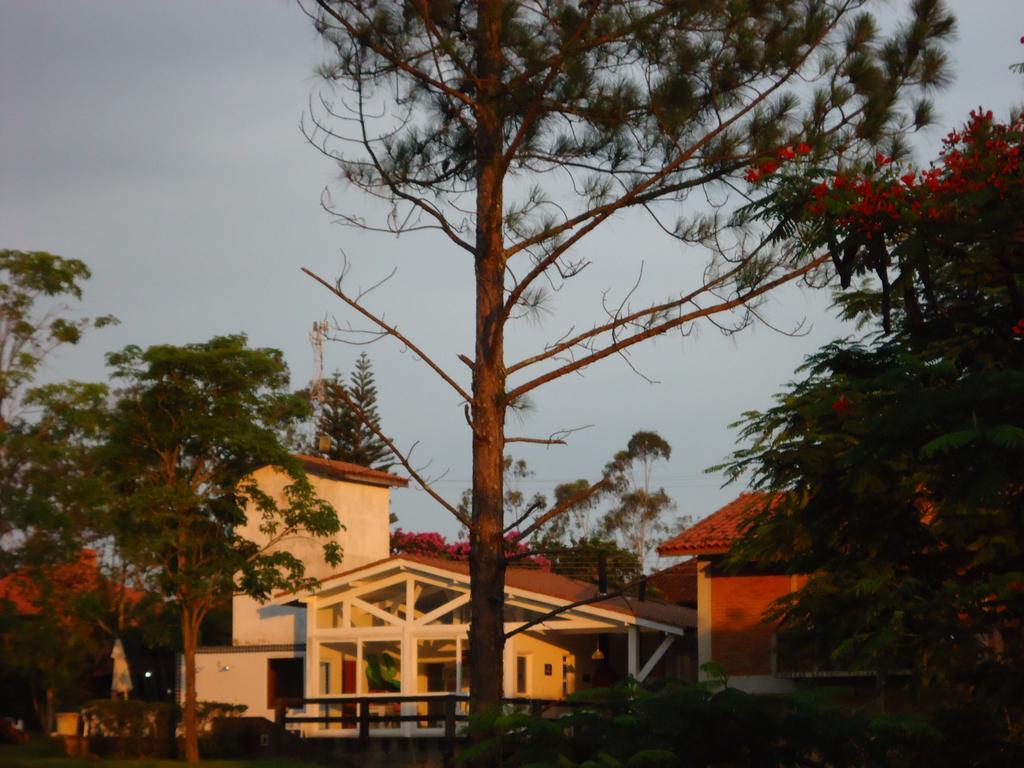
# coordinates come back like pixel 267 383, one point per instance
pixel 541 583
pixel 346 470
pixel 717 532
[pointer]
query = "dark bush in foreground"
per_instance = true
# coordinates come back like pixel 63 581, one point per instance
pixel 686 725
pixel 129 729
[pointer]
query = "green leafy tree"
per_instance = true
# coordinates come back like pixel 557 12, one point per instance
pixel 36 317
pixel 349 417
pixel 900 455
pixel 30 329
pixel 187 430
pixel 636 517
pixel 54 496
pixel 516 129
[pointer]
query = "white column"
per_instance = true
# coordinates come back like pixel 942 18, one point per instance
pixel 409 676
pixel 509 666
pixel 633 651
pixel 312 686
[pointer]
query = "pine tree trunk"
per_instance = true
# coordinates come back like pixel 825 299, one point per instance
pixel 487 557
pixel 190 638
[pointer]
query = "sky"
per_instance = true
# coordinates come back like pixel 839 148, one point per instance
pixel 160 143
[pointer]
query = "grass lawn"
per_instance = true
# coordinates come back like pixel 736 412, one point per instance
pixel 43 753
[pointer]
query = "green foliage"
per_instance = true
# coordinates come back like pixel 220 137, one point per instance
pixel 53 492
pixel 382 673
pixel 187 430
pixel 620 89
pixel 900 455
pixel 681 725
pixel 41 488
pixel 29 329
pixel 128 728
pixel 352 436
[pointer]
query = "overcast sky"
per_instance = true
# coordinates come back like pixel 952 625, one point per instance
pixel 159 143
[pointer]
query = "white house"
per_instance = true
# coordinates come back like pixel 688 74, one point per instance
pixel 397 626
pixel 268 642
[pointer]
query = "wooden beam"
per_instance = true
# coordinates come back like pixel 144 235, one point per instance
pixel 655 657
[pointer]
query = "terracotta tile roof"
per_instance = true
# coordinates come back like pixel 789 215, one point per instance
pixel 345 470
pixel 678 584
pixel 550 585
pixel 717 532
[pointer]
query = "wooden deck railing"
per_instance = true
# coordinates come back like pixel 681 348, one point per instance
pixel 360 721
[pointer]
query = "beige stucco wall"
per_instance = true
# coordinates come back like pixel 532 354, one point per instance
pixel 541 650
pixel 237 678
pixel 363 511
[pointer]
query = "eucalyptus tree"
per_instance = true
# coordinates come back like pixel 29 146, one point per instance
pixel 514 129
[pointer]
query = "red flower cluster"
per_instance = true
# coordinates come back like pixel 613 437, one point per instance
pixel 765 168
pixel 841 405
pixel 1018 329
pixel 978 162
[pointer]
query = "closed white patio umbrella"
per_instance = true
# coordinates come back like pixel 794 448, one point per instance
pixel 121 682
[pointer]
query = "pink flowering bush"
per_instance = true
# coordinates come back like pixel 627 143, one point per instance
pixel 433 544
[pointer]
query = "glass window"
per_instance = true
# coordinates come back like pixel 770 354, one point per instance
pixel 325 677
pixel 436 666
pixel 340 662
pixel 329 617
pixel 430 597
pixel 362 618
pixel 390 599
pixel 436 672
pixel 522 675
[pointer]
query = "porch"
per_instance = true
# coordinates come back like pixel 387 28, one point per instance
pixel 387 648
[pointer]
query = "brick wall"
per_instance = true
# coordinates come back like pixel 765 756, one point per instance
pixel 740 640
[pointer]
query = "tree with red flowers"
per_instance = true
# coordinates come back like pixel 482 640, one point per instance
pixel 901 454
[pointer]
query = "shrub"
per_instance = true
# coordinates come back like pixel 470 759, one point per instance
pixel 128 728
pixel 683 725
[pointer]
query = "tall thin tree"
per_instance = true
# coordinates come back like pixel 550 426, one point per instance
pixel 516 129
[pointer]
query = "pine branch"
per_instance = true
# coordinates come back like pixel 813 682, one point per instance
pixel 391 331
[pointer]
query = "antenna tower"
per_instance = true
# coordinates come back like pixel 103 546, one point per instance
pixel 317 385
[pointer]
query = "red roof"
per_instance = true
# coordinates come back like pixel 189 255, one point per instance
pixel 717 532
pixel 346 470
pixel 677 584
pixel 551 585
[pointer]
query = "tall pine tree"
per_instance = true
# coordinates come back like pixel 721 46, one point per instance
pixel 517 131
pixel 353 438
